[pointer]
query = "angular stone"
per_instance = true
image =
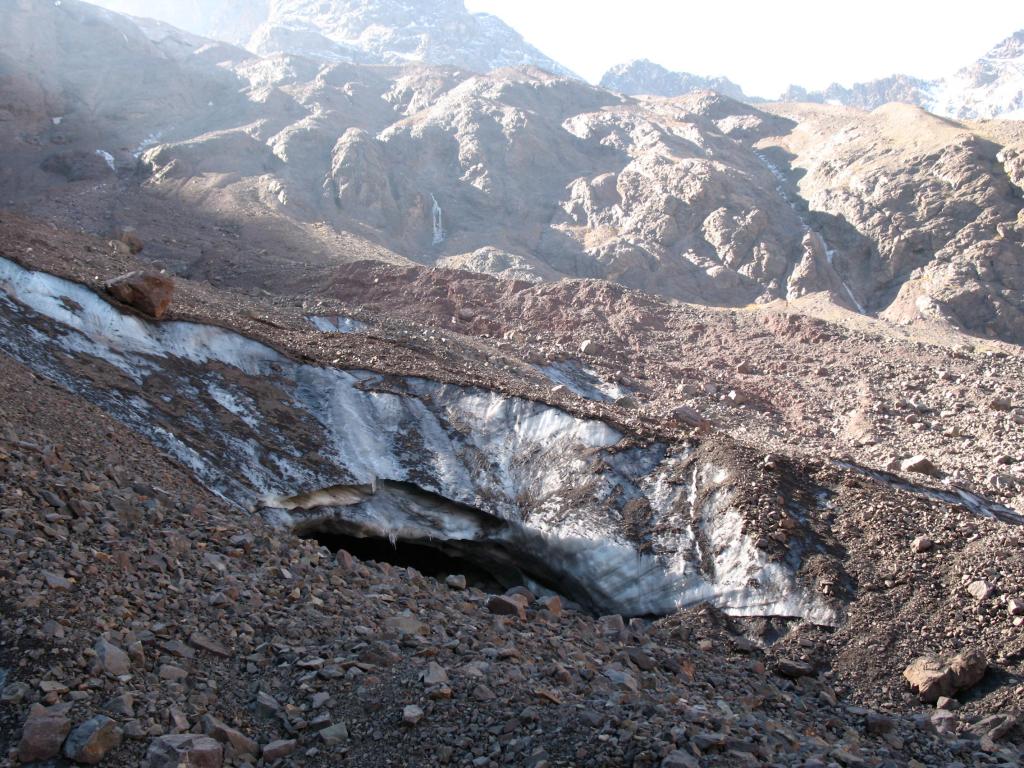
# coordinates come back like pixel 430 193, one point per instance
pixel 225 734
pixel 111 659
pixel 411 714
pixel 980 590
pixel 148 292
pixel 334 734
pixel 552 604
pixel 502 605
pixel 921 544
pixel 201 641
pixel 184 749
pixel 43 733
pixel 90 742
pixel 171 672
pixel 266 705
pixel 793 669
pixel 123 705
pixel 275 750
pixel 622 680
pixel 56 582
pixel 456 581
pixel 680 759
pixel 435 674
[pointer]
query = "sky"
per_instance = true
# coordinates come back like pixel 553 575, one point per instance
pixel 765 45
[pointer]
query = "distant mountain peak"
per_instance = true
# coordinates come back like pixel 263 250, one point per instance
pixel 644 77
pixel 441 32
pixel 992 86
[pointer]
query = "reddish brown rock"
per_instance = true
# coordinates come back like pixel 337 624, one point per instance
pixel 148 292
pixel 44 732
pixel 506 606
pixel 90 742
pixel 932 676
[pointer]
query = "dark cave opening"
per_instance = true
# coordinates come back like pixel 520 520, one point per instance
pixel 430 560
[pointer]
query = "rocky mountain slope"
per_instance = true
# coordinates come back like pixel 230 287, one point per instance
pixel 644 77
pixel 365 31
pixel 702 198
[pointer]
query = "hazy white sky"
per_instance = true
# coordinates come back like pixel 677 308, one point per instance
pixel 765 45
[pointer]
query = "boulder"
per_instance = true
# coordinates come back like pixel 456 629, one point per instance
pixel 43 733
pixel 148 292
pixel 688 416
pixel 506 606
pixel 111 659
pixel 225 734
pixel 932 676
pixel 186 749
pixel 90 742
pixel 921 465
pixel 275 750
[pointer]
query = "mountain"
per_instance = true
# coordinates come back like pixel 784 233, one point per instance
pixel 645 77
pixel 866 96
pixel 401 415
pixel 365 31
pixel 991 87
pixel 702 198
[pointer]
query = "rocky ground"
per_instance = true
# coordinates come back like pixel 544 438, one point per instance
pixel 218 608
pixel 132 594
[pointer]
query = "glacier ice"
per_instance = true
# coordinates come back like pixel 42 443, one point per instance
pixel 408 458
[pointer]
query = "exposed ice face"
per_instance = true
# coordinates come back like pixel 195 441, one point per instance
pixel 409 458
